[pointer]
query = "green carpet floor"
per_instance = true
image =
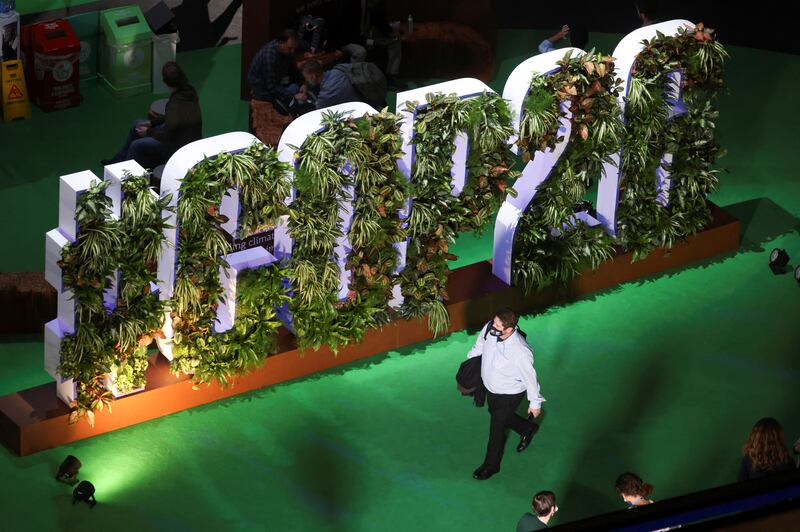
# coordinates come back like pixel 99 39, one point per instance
pixel 664 376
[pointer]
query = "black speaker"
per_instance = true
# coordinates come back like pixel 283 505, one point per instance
pixel 161 19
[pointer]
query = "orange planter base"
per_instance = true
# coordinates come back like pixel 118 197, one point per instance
pixel 34 419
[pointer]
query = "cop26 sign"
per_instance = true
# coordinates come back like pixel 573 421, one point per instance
pixel 361 207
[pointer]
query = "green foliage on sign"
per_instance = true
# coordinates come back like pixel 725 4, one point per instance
pixel 263 185
pixel 139 312
pixel 489 126
pixel 436 214
pixel 645 223
pixel 349 160
pixel 87 265
pixel 112 339
pixel 208 356
pixel 584 89
pixel 129 375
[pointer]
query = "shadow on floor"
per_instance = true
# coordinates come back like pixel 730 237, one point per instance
pixel 762 220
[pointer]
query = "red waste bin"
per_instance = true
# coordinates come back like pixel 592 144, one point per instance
pixel 56 65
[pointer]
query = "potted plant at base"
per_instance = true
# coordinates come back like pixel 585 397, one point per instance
pixel 128 377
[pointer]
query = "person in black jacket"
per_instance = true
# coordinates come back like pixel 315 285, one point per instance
pixel 152 142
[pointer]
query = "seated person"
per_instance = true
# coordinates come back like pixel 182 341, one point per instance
pixel 152 142
pixel 633 490
pixel 544 507
pixel 338 86
pixel 273 75
pixel 577 34
pixel 765 452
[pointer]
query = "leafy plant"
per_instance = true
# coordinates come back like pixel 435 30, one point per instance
pixel 210 356
pixel 262 182
pixel 112 335
pixel 437 215
pixel 645 222
pixel 349 160
pixel 130 374
pixel 489 163
pixel 551 245
pixel 87 266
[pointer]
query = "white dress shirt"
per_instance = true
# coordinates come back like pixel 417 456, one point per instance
pixel 507 365
pixel 546 46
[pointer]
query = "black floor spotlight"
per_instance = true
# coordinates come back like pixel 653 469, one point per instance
pixel 778 260
pixel 84 492
pixel 68 470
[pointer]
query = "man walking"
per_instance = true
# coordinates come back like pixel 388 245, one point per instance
pixel 507 372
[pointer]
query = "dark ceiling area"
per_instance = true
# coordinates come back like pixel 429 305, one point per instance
pixel 765 24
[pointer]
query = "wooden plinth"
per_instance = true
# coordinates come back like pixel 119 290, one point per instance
pixel 34 419
pixel 26 302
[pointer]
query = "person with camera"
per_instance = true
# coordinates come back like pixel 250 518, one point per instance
pixel 507 372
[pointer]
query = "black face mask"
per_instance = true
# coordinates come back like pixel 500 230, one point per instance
pixel 494 332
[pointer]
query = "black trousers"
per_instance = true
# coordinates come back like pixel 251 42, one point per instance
pixel 503 415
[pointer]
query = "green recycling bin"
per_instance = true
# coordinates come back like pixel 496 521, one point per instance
pixel 87 30
pixel 126 51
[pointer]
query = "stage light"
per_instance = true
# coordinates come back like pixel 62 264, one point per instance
pixel 797 274
pixel 84 492
pixel 68 470
pixel 778 260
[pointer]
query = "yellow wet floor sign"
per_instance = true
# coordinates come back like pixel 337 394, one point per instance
pixel 15 95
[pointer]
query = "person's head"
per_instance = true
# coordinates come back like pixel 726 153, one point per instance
pixel 578 35
pixel 632 488
pixel 287 42
pixel 504 323
pixel 766 445
pixel 544 504
pixel 647 11
pixel 312 72
pixel 173 75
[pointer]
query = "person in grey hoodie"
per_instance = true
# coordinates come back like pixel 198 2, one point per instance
pixel 332 87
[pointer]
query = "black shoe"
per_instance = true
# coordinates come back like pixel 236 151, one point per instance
pixel 526 439
pixel 483 472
